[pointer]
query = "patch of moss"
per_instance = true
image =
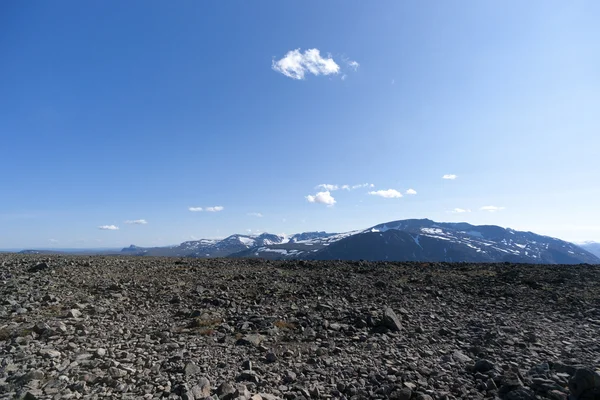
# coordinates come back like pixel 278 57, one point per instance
pixel 284 325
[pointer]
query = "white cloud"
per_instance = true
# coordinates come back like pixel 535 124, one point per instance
pixel 449 176
pixel 354 65
pixel 255 214
pixel 411 191
pixel 331 187
pixel 322 198
pixel 491 208
pixel 460 210
pixel 53 240
pixel 108 227
pixel 344 77
pixel 363 185
pixel 295 64
pixel 207 209
pixel 136 222
pixel 388 194
pixel 327 186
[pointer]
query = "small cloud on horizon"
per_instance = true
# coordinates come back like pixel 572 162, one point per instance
pixel 332 187
pixel 411 191
pixel 354 65
pixel 53 240
pixel 449 176
pixel 108 227
pixel 363 185
pixel 207 209
pixel 460 210
pixel 136 222
pixel 327 186
pixel 387 194
pixel 491 208
pixel 255 214
pixel 321 198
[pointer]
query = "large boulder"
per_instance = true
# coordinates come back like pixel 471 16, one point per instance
pixel 585 385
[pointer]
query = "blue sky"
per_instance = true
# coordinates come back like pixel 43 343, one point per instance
pixel 113 112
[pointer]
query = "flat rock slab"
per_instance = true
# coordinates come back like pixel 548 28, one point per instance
pixel 391 320
pixel 251 340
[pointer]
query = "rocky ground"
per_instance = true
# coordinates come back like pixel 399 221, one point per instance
pixel 126 327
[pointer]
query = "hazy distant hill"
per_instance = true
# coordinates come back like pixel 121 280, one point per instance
pixel 100 251
pixel 592 247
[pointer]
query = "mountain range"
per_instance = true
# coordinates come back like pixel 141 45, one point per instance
pixel 405 240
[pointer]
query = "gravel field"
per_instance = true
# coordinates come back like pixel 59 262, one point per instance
pixel 145 328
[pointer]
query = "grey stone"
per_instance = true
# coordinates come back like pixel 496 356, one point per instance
pixel 202 389
pixel 32 395
pixel 251 340
pixel 290 376
pixel 191 369
pixel 391 320
pixel 402 394
pixel 520 394
pixel 116 372
pixel 483 366
pixel 271 357
pixel 225 389
pixel 460 357
pixel 241 391
pixel 74 313
pixel 39 267
pixel 248 376
pixel 41 327
pixel 50 353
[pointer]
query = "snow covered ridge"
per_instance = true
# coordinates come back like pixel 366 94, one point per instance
pixel 406 240
pixel 486 239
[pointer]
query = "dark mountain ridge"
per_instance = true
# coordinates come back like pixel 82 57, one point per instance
pixel 426 240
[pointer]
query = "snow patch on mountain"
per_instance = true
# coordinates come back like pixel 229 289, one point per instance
pixel 416 239
pixel 246 241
